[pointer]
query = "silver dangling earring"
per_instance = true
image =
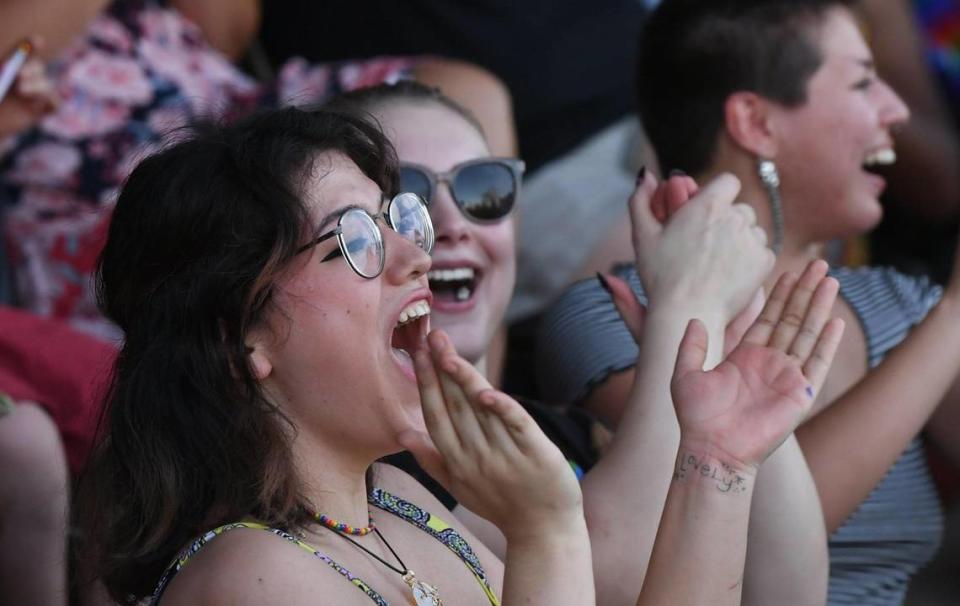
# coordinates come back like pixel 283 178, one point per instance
pixel 771 181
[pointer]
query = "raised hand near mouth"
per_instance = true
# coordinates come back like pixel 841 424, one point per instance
pixel 492 456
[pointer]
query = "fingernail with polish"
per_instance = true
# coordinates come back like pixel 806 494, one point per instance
pixel 641 174
pixel 603 283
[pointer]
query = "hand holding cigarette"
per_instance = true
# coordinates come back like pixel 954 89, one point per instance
pixel 26 91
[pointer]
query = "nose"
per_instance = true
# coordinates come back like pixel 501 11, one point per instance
pixel 450 225
pixel 893 110
pixel 405 260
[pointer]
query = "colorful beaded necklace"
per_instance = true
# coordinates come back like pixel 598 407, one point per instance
pixel 339 526
pixel 424 594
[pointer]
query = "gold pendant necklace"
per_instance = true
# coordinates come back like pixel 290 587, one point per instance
pixel 424 594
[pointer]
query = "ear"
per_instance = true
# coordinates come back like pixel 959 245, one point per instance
pixel 749 122
pixel 259 356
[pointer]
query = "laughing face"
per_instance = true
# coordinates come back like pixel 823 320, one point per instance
pixel 473 269
pixel 828 147
pixel 336 337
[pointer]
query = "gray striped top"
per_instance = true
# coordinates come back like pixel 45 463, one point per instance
pixel 895 531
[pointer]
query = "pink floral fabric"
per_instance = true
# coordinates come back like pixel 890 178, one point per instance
pixel 141 71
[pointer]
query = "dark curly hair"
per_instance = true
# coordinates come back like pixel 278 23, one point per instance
pixel 200 232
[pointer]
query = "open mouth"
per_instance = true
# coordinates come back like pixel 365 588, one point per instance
pixel 410 333
pixel 453 285
pixel 876 161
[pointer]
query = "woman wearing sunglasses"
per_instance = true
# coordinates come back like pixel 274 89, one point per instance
pixel 444 158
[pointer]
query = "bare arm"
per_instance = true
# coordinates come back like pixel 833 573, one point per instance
pixel 731 419
pixel 891 405
pixel 786 517
pixel 700 551
pixel 787 560
pixel 624 493
pixel 787 557
pixel 787 509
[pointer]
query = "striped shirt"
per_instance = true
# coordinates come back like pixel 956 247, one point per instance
pixel 895 531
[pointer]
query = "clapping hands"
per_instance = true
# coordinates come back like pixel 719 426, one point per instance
pixel 742 410
pixel 710 256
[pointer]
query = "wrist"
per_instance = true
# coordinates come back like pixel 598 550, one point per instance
pixel 681 311
pixel 544 531
pixel 705 466
pixel 671 321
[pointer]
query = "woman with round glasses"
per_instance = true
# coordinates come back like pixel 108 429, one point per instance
pixel 444 158
pixel 273 295
pixel 360 241
pixel 785 95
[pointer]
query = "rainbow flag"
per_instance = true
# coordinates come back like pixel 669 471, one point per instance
pixel 940 20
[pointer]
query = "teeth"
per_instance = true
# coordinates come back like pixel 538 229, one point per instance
pixel 463 293
pixel 449 275
pixel 881 157
pixel 415 310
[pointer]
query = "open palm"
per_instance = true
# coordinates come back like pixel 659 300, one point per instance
pixel 753 400
pixel 480 437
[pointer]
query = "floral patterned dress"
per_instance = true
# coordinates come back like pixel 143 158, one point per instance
pixel 140 71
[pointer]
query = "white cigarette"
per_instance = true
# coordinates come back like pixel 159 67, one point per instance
pixel 8 74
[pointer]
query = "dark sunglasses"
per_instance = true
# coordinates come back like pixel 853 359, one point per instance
pixel 485 190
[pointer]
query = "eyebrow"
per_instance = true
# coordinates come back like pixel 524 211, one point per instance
pixel 335 214
pixel 867 64
pixel 332 216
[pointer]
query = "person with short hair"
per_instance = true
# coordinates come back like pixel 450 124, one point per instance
pixel 785 95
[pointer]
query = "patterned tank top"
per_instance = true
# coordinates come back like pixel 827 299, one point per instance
pixel 381 499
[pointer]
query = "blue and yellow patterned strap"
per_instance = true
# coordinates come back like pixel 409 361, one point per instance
pixel 439 530
pixel 405 510
pixel 184 557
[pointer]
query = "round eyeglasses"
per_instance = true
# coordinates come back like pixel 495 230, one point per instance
pixel 360 238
